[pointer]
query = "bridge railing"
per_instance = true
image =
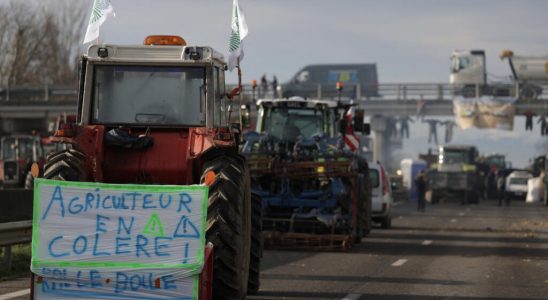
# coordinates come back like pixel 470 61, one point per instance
pixel 386 91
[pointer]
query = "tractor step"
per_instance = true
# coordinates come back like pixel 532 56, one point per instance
pixel 306 241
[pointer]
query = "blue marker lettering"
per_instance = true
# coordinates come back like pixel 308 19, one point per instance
pixel 169 200
pixel 133 198
pixel 169 282
pixel 122 223
pixel 97 198
pixel 100 225
pixel 50 246
pixel 95 246
pixel 119 245
pixel 135 284
pixel 57 196
pixel 158 246
pixel 142 241
pixel 94 274
pixel 77 206
pixel 121 282
pixel 80 283
pixel 147 201
pixel 84 245
pixel 184 199
pixel 89 201
pixel 105 202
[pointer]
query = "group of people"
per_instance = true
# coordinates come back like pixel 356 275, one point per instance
pixel 263 91
pixel 542 120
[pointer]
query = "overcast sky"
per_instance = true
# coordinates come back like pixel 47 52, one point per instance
pixel 409 40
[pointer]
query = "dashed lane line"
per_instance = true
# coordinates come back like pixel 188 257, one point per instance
pixel 399 262
pixel 426 242
pixel 15 294
pixel 352 297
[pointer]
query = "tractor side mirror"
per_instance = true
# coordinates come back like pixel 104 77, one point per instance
pixel 246 119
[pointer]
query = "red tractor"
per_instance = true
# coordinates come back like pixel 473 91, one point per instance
pixel 158 113
pixel 17 155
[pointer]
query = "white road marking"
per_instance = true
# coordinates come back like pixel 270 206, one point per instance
pixel 399 262
pixel 453 220
pixel 461 214
pixel 15 294
pixel 427 242
pixel 352 297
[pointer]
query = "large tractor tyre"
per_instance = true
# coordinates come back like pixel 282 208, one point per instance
pixel 29 181
pixel 67 165
pixel 229 224
pixel 256 252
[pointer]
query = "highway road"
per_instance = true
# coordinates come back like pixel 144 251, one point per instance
pixel 448 252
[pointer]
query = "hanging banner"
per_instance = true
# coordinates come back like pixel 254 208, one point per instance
pixel 485 112
pixel 117 241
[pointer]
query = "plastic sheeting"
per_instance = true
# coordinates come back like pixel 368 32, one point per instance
pixel 484 112
pixel 534 187
pixel 117 241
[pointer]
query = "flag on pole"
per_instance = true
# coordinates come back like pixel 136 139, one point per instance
pixel 239 32
pixel 101 10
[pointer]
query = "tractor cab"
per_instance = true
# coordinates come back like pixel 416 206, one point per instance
pixel 17 153
pixel 146 112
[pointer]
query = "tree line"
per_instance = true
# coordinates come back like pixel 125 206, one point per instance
pixel 41 41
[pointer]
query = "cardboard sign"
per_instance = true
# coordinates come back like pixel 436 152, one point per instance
pixel 117 241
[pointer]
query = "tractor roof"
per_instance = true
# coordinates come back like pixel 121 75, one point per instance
pixel 154 53
pixel 298 102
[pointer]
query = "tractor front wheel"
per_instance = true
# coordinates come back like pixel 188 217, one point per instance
pixel 66 165
pixel 229 224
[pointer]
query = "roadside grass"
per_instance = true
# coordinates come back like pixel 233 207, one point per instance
pixel 20 262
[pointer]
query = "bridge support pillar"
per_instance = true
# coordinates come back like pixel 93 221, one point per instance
pixel 380 142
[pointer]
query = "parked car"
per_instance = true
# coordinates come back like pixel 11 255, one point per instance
pixel 381 195
pixel 516 184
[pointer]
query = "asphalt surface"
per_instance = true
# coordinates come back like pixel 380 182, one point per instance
pixel 447 252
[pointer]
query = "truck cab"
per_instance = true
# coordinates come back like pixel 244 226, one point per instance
pixel 320 81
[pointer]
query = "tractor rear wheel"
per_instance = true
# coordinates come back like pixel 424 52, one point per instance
pixel 67 165
pixel 229 224
pixel 256 245
pixel 29 181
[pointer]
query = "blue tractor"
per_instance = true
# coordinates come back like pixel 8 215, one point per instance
pixel 314 188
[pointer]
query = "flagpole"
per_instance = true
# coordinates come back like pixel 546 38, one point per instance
pixel 240 92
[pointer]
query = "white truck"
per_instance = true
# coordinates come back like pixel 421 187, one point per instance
pixel 469 73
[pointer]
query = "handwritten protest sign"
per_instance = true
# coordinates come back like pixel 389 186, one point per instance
pixel 93 240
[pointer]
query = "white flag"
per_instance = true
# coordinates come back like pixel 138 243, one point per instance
pixel 239 32
pixel 101 10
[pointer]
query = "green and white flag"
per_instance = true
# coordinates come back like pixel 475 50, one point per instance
pixel 101 10
pixel 239 32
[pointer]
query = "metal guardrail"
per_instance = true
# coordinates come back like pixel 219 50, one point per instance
pixel 14 233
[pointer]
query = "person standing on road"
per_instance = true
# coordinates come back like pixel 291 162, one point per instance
pixel 420 187
pixel 501 189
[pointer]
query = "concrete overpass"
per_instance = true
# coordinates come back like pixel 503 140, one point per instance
pixel 36 109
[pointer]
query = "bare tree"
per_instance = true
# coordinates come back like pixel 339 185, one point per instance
pixel 41 41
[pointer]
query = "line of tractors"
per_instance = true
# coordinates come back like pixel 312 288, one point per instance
pixel 159 113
